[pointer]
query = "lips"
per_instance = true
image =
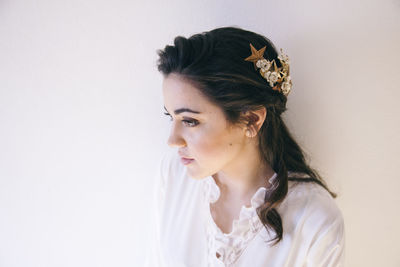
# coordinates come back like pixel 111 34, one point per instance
pixel 186 161
pixel 183 156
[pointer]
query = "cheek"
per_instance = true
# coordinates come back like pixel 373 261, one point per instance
pixel 211 147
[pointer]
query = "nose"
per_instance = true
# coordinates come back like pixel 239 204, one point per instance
pixel 175 139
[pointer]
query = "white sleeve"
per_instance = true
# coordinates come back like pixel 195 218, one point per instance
pixel 153 256
pixel 328 248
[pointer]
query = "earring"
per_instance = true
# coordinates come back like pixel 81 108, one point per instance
pixel 248 133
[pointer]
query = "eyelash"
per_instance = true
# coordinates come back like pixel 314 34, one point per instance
pixel 189 123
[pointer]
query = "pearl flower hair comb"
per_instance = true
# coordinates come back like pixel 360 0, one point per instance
pixel 278 78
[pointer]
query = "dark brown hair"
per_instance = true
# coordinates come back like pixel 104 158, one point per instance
pixel 214 62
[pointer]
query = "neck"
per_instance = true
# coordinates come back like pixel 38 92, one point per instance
pixel 241 177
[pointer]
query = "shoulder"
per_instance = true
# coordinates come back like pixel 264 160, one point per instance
pixel 312 196
pixel 169 163
pixel 311 218
pixel 165 167
pixel 171 166
pixel 310 205
pixel 171 172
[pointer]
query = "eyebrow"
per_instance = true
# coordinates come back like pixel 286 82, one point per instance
pixel 181 110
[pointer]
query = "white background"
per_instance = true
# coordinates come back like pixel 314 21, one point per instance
pixel 81 123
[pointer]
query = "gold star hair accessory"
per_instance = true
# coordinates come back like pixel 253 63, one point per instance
pixel 278 78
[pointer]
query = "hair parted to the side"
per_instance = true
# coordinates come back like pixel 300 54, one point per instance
pixel 214 62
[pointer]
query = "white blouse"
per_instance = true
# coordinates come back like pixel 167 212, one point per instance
pixel 184 233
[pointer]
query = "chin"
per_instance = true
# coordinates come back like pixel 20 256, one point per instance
pixel 196 175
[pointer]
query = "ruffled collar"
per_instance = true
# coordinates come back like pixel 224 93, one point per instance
pixel 230 246
pixel 213 192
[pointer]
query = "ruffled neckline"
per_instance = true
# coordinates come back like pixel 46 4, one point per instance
pixel 213 192
pixel 231 245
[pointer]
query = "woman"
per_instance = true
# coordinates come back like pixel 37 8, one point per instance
pixel 236 190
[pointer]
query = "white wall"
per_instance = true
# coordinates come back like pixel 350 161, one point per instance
pixel 81 122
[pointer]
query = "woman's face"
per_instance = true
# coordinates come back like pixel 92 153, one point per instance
pixel 199 129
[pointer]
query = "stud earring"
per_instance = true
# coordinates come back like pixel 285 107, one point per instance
pixel 248 133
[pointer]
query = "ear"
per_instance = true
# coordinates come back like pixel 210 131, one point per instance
pixel 255 119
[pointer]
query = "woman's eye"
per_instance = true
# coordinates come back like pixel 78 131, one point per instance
pixel 187 122
pixel 190 123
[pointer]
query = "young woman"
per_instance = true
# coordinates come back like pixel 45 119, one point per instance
pixel 236 189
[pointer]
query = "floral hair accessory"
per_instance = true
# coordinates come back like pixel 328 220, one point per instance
pixel 278 78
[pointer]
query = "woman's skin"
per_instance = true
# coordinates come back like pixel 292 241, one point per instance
pixel 218 148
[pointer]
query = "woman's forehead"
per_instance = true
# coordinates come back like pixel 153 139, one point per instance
pixel 180 94
pixel 175 85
